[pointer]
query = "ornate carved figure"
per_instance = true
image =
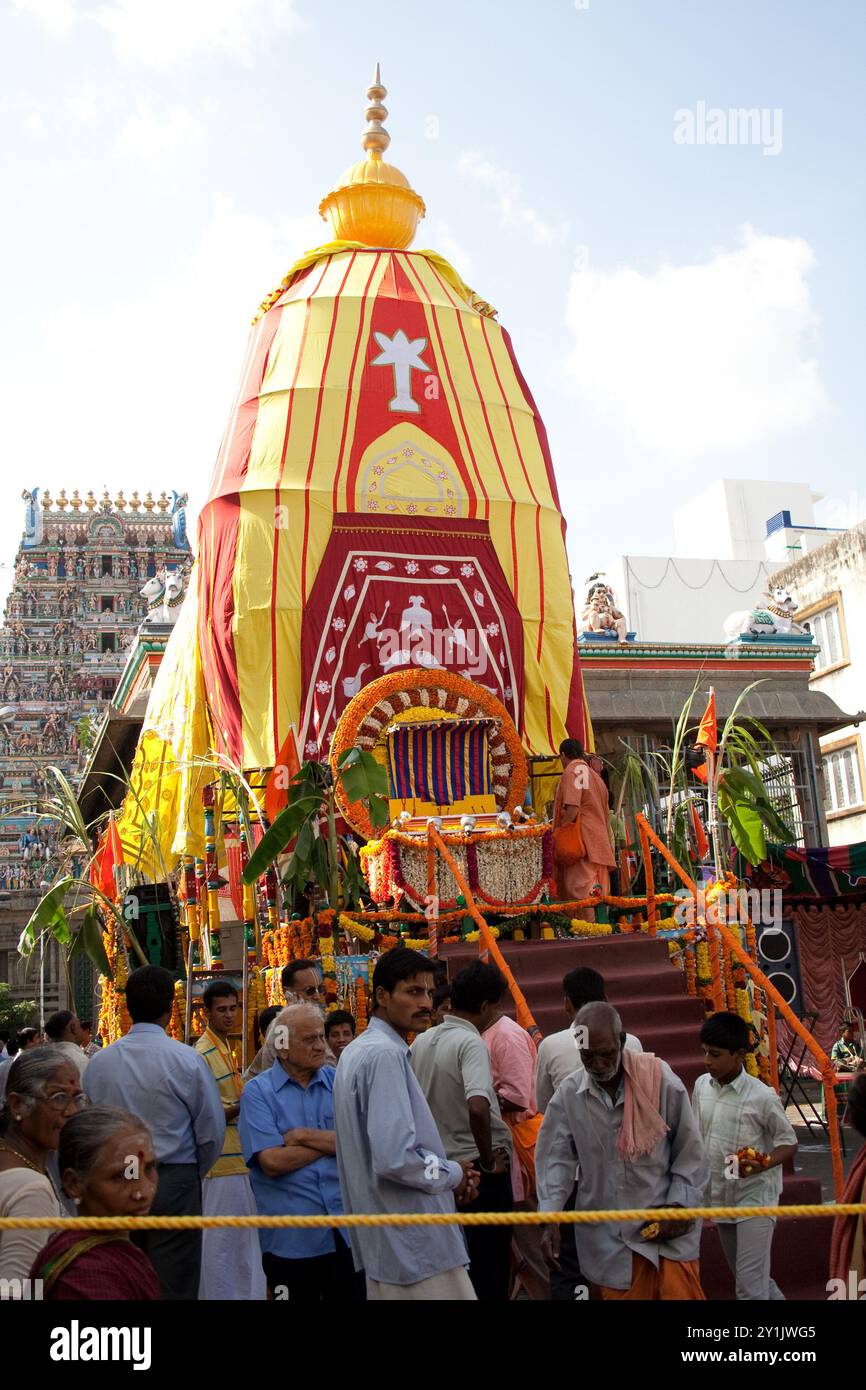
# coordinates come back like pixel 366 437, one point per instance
pixel 776 619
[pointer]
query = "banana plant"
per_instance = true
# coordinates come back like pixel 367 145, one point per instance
pixel 319 854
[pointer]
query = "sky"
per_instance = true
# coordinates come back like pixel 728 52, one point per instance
pixel 684 290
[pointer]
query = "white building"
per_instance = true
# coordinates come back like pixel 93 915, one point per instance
pixel 730 542
pixel 830 585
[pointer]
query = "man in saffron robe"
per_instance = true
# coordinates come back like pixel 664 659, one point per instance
pixel 625 1121
pixel 582 796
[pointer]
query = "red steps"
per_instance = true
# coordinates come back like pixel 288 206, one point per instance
pixel 650 994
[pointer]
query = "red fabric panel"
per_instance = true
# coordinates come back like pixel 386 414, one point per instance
pixel 391 594
pixel 829 939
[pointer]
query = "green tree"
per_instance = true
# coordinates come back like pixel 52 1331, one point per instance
pixel 15 1013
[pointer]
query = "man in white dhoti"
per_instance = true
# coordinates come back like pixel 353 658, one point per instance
pixel 231 1264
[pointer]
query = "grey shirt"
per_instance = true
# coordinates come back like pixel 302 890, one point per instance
pixel 452 1064
pixel 558 1057
pixel 581 1127
pixel 391 1159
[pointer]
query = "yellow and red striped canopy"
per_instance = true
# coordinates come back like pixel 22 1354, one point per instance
pixel 384 487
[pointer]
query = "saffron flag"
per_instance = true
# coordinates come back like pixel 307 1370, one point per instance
pixel 701 842
pixel 285 768
pixel 107 857
pixel 708 733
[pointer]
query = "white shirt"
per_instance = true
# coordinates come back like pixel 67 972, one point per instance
pixel 744 1113
pixel 73 1053
pixel 582 1124
pixel 558 1057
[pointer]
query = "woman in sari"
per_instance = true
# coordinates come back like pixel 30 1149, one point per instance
pixel 43 1091
pixel 108 1168
pixel 848 1248
pixel 583 852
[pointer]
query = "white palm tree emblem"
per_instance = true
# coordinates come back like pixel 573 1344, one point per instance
pixel 402 354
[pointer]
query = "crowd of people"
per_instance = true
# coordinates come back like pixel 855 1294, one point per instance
pixel 441 1104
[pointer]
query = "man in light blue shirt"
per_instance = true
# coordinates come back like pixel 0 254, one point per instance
pixel 287 1136
pixel 171 1088
pixel 389 1152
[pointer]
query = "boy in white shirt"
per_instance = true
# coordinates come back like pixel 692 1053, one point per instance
pixel 736 1111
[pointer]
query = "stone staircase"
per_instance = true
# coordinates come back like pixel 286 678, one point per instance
pixel 651 996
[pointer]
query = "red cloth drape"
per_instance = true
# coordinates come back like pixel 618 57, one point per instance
pixel 831 940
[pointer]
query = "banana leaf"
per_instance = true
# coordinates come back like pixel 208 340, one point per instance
pixel 88 941
pixel 745 825
pixel 365 779
pixel 50 916
pixel 286 826
pixel 744 788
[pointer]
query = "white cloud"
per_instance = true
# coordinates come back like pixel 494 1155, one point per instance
pixel 57 16
pixel 700 357
pixel 161 33
pixel 513 211
pixel 440 238
pixel 158 135
pixel 136 393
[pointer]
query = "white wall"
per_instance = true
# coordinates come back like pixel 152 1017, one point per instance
pixel 667 599
pixel 840 567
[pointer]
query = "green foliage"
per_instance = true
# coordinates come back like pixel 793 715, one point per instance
pixel 15 1013
pixel 319 856
pixel 365 779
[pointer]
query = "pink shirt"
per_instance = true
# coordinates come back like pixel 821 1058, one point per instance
pixel 513 1059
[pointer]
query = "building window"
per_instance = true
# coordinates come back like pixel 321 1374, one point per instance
pixel 107 604
pixel 107 642
pixel 843 781
pixel 827 630
pixel 106 564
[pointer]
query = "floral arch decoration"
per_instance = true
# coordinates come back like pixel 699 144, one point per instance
pixel 413 693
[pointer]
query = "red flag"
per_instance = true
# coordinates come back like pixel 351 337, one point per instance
pixel 708 733
pixel 701 840
pixel 277 786
pixel 108 855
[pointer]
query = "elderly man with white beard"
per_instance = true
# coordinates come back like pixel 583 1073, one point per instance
pixel 625 1122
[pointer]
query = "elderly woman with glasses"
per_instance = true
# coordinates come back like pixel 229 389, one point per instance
pixel 108 1168
pixel 43 1090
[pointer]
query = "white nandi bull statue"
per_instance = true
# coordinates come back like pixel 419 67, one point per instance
pixel 164 594
pixel 600 613
pixel 776 619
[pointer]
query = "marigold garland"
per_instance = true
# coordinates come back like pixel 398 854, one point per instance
pixel 456 688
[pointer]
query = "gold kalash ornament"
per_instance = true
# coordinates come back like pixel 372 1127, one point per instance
pixel 374 203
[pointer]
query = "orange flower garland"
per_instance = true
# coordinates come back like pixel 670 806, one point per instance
pixel 456 690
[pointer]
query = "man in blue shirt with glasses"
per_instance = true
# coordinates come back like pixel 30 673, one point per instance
pixel 287 1135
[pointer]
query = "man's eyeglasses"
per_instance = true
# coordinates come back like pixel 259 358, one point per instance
pixel 65 1100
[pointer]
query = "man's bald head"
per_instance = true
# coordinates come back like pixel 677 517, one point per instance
pixel 598 1029
pixel 600 1018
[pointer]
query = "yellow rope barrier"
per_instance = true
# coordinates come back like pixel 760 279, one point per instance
pixel 446 1218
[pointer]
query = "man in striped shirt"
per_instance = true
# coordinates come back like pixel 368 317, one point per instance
pixel 231 1265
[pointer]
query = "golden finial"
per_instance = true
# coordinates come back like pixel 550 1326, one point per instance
pixel 163 502
pixel 135 501
pixel 376 139
pixel 62 500
pixel 90 501
pixel 76 501
pixel 46 500
pixel 120 502
pixel 374 202
pixel 149 503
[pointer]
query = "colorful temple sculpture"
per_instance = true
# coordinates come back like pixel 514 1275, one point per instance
pixel 384 500
pixel 84 574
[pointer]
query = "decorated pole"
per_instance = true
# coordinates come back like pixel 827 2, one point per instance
pixel 212 877
pixel 194 932
pixel 249 911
